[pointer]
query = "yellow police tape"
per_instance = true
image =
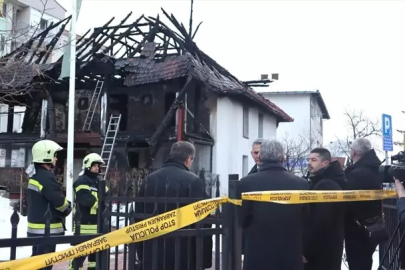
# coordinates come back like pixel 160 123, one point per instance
pixel 185 216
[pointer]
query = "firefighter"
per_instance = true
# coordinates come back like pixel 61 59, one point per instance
pixel 44 191
pixel 86 193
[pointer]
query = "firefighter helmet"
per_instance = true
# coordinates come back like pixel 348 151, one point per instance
pixel 44 151
pixel 90 159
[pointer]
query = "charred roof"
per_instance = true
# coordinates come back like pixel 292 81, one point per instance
pixel 148 51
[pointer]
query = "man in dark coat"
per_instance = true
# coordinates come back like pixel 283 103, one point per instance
pixel 324 235
pixel 256 156
pixel 274 231
pixel 173 180
pixel 362 175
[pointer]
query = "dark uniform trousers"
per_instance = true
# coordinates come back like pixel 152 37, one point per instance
pixel 40 250
pixel 91 264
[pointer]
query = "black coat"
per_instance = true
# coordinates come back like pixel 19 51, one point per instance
pixel 362 175
pixel 44 190
pixel 173 180
pixel 324 234
pixel 253 170
pixel 274 232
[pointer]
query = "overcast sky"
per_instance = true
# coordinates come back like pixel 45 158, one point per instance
pixel 352 51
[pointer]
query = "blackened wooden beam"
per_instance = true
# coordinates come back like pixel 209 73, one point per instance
pixel 36 37
pixel 196 30
pixel 122 26
pixel 166 31
pixel 115 39
pixel 51 45
pixel 151 34
pixel 41 40
pixel 86 43
pixel 155 139
pixel 97 46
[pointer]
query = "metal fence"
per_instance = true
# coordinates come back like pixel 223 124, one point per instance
pixel 391 254
pixel 116 212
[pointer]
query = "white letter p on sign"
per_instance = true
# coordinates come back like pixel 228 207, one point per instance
pixel 387 125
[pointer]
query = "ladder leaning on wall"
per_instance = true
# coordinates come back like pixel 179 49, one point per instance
pixel 93 105
pixel 109 142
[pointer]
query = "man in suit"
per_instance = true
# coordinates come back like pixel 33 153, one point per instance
pixel 173 180
pixel 362 175
pixel 323 245
pixel 274 232
pixel 256 156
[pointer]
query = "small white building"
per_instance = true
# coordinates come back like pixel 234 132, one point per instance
pixel 308 110
pixel 23 19
pixel 306 132
pixel 235 125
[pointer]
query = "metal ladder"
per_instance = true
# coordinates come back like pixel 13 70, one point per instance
pixel 93 105
pixel 109 142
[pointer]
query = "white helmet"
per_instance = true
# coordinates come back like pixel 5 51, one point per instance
pixel 44 151
pixel 90 159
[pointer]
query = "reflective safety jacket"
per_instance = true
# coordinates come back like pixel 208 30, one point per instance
pixel 43 189
pixel 86 193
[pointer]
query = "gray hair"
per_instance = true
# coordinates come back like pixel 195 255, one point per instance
pixel 271 150
pixel 182 150
pixel 257 142
pixel 361 146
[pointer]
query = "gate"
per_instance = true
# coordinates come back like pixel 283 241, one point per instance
pixel 394 258
pixel 217 236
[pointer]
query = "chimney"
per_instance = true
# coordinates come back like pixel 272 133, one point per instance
pixel 274 76
pixel 264 77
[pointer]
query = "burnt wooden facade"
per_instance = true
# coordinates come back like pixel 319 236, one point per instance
pixel 161 83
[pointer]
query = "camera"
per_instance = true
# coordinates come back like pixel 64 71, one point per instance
pixel 386 173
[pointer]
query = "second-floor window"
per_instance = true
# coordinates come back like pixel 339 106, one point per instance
pixel 246 122
pixel 260 126
pixel 43 24
pixel 245 164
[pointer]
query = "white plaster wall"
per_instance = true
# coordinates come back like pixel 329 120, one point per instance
pixel 230 145
pixel 316 119
pixel 298 107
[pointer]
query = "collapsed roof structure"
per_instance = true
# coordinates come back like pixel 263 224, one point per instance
pixel 149 52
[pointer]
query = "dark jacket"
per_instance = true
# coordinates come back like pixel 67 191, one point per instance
pixel 86 192
pixel 173 180
pixel 362 175
pixel 44 190
pixel 254 169
pixel 274 231
pixel 324 234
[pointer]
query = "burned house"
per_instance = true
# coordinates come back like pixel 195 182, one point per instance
pixel 161 88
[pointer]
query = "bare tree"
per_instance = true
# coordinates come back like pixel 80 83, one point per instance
pixel 25 48
pixel 358 126
pixel 296 151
